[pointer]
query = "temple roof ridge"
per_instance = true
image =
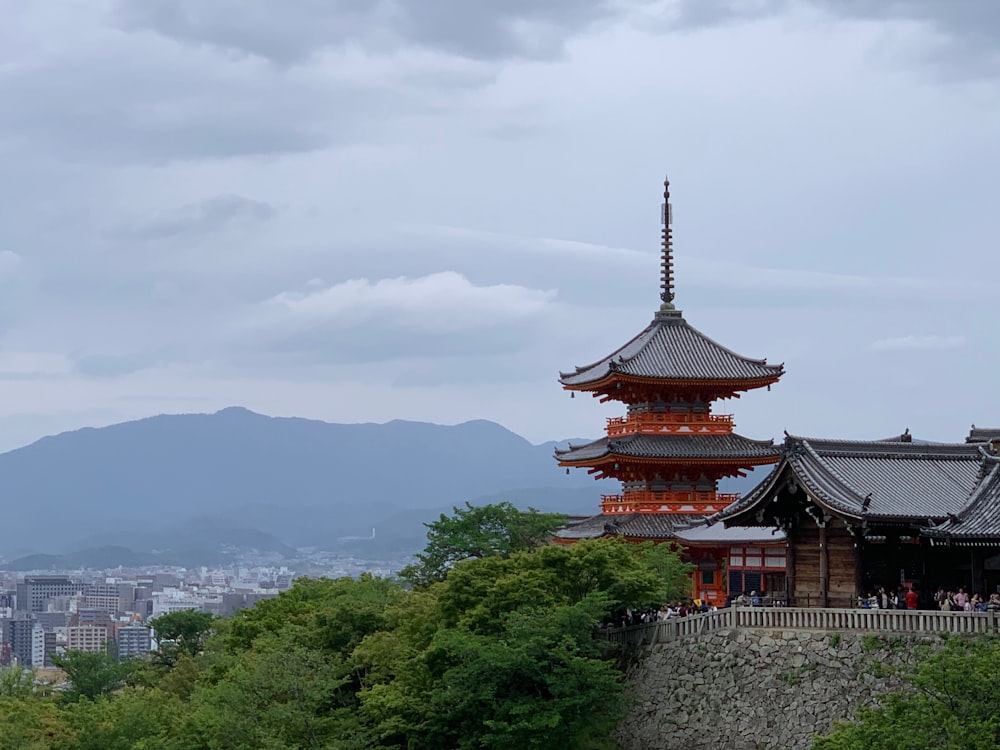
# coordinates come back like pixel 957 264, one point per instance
pixel 877 479
pixel 671 348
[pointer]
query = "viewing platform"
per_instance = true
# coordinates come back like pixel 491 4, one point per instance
pixel 670 423
pixel 873 621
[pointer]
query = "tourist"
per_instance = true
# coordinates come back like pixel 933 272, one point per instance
pixel 883 598
pixel 976 604
pixel 993 605
pixel 961 599
pixel 900 598
pixel 912 598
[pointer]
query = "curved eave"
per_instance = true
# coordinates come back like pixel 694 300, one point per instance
pixel 731 514
pixel 738 461
pixel 612 378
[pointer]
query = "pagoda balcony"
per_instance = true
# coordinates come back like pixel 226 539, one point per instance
pixel 670 501
pixel 670 423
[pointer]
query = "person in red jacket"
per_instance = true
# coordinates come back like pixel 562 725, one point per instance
pixel 912 599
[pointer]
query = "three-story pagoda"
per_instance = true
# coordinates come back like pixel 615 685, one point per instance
pixel 670 449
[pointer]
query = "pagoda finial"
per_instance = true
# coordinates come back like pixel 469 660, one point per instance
pixel 667 269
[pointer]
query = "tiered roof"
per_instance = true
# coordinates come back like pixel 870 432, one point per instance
pixel 726 447
pixel 686 528
pixel 945 488
pixel 670 348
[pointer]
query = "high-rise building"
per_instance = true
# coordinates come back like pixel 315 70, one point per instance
pixel 34 593
pixel 86 638
pixel 20 635
pixel 132 642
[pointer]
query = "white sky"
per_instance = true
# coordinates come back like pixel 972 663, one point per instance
pixel 360 210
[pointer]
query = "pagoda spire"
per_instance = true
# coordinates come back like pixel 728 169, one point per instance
pixel 667 262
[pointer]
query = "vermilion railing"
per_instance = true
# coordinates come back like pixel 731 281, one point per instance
pixel 669 423
pixel 670 501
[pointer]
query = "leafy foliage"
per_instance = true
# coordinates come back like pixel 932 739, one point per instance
pixel 953 704
pixel 90 674
pixel 477 532
pixel 182 632
pixel 493 649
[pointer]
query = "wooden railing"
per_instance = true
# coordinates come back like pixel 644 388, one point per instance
pixel 794 618
pixel 655 423
pixel 684 501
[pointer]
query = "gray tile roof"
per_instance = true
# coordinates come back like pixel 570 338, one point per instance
pixel 880 480
pixel 983 434
pixel 633 525
pixel 719 534
pixel 670 348
pixel 685 528
pixel 724 446
pixel 980 519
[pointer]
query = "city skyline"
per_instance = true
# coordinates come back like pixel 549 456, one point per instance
pixel 362 216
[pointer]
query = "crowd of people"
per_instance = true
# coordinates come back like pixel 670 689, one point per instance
pixel 960 601
pixel 665 612
pixel 946 601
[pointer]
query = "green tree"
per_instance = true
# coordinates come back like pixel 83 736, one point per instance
pixel 17 681
pixel 502 653
pixel 476 532
pixel 280 694
pixel 133 719
pixel 185 631
pixel 90 674
pixel 33 724
pixel 952 703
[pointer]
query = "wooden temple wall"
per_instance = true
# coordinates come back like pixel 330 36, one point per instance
pixel 808 544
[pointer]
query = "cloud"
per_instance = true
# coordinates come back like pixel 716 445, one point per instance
pixel 534 245
pixel 967 31
pixel 729 275
pixel 438 315
pixel 480 29
pixel 917 343
pixel 443 301
pixel 205 217
pixel 79 100
pixel 28 364
pixel 10 263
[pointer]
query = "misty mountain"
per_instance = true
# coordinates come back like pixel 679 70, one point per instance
pixel 161 480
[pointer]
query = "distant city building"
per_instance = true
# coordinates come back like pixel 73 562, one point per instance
pixel 107 596
pixel 132 642
pixel 92 638
pixel 178 600
pixel 23 639
pixel 34 593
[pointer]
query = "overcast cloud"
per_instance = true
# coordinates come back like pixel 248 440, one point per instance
pixel 372 209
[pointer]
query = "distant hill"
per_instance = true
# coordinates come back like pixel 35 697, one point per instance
pixel 306 482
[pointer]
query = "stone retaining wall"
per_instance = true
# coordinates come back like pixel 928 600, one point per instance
pixel 756 689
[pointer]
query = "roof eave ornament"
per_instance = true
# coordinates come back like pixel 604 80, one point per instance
pixel 667 308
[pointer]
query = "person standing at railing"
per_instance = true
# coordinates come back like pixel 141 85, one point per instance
pixel 900 598
pixel 883 598
pixel 912 598
pixel 993 605
pixel 961 599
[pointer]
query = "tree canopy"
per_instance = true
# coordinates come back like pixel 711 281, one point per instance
pixel 475 532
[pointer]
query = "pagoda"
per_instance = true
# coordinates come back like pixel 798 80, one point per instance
pixel 670 449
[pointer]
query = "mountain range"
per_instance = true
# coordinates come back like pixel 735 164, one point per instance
pixel 185 485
